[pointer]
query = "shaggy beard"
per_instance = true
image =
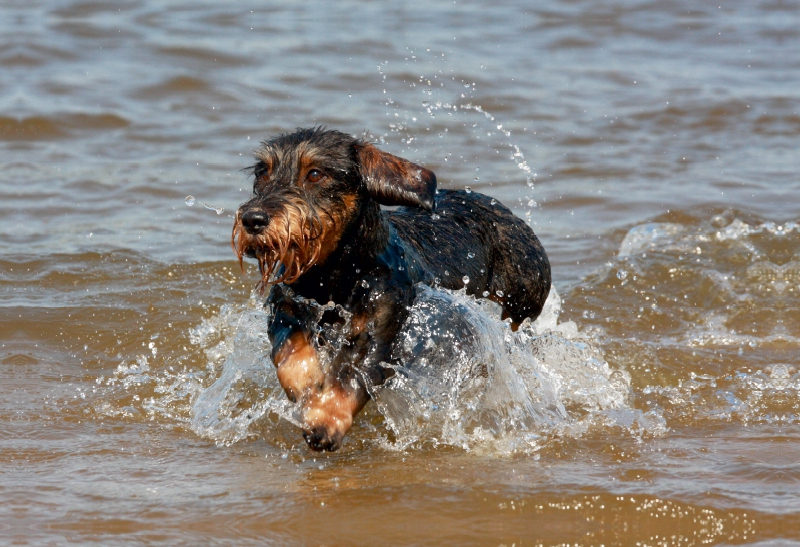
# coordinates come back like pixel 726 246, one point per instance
pixel 296 246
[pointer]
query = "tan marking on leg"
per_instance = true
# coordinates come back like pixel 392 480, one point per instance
pixel 328 416
pixel 299 371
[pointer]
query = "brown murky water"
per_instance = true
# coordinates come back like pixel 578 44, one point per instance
pixel 652 145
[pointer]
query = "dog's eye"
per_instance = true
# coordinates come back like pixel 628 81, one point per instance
pixel 315 175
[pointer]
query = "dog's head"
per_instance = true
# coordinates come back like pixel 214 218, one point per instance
pixel 310 187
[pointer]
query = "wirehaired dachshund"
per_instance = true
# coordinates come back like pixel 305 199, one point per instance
pixel 316 227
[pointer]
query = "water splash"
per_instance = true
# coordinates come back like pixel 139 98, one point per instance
pixel 462 378
pixel 466 379
pixel 246 388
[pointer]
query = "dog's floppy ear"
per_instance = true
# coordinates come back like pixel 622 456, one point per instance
pixel 390 180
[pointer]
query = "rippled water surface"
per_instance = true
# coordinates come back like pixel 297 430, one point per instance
pixel 651 145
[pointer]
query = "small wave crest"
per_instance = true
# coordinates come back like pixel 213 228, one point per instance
pixel 766 396
pixel 713 304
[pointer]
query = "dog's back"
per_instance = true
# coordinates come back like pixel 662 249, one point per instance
pixel 475 236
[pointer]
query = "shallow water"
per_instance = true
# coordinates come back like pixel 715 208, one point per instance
pixel 651 145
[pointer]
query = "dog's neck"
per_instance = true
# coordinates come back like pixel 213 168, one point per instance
pixel 368 234
pixel 363 240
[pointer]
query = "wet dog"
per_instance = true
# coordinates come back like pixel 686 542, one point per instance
pixel 316 228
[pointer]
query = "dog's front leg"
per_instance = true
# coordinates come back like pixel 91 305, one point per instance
pixel 329 397
pixel 377 315
pixel 299 368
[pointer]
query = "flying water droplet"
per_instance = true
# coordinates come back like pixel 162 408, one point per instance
pixel 465 279
pixel 190 201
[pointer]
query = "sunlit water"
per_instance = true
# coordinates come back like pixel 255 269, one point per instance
pixel 650 145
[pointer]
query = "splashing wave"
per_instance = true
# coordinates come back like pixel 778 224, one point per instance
pixel 463 378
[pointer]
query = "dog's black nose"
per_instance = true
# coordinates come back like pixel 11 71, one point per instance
pixel 255 221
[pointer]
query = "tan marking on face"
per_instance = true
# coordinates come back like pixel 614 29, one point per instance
pixel 268 160
pixel 306 161
pixel 308 157
pixel 350 201
pixel 239 237
pixel 299 370
pixel 293 239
